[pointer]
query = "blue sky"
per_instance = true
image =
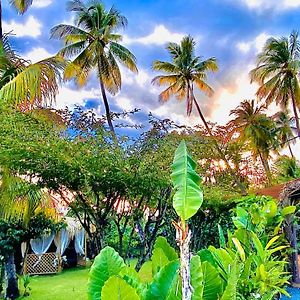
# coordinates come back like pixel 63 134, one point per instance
pixel 233 31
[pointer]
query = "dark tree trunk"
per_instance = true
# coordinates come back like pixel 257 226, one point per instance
pixel 1 31
pixel 12 290
pixel 222 155
pixel 106 104
pixel 1 278
pixel 295 113
pixel 290 149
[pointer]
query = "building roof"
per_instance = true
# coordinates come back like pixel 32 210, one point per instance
pixel 277 190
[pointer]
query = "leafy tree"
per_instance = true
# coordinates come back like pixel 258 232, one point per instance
pixel 256 129
pixel 186 72
pixel 277 73
pixel 94 43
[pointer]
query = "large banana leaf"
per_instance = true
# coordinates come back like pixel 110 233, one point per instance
pixel 197 278
pixel 212 283
pixel 162 282
pixel 107 263
pixel 188 197
pixel 230 292
pixel 169 251
pixel 116 288
pixel 159 260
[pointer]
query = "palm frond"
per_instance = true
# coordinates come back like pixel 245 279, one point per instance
pixel 21 5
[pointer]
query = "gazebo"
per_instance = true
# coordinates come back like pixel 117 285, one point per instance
pixel 40 259
pixel 289 194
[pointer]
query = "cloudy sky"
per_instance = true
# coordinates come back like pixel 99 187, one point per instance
pixel 233 31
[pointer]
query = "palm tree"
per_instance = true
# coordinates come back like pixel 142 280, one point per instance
pixel 181 76
pixel 18 202
pixel 95 46
pixel 255 129
pixel 277 73
pixel 25 84
pixel 20 5
pixel 284 130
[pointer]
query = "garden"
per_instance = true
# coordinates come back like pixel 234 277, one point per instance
pixel 100 206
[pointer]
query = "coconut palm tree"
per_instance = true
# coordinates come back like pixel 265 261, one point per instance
pixel 94 43
pixel 284 130
pixel 277 73
pixel 185 73
pixel 255 129
pixel 20 5
pixel 27 85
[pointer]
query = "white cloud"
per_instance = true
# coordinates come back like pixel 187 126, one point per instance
pixel 71 97
pixel 41 3
pixel 160 36
pixel 37 54
pixel 256 44
pixel 278 5
pixel 32 27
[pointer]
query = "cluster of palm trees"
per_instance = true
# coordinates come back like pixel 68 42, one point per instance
pixel 93 44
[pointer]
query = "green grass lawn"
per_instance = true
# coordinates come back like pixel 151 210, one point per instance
pixel 68 285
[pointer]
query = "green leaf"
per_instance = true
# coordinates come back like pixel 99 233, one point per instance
pixel 239 248
pixel 188 197
pixel 107 263
pixel 162 282
pixel 222 239
pixel 159 260
pixel 169 251
pixel 288 210
pixel 230 292
pixel 145 272
pixel 116 288
pixel 212 283
pixel 196 278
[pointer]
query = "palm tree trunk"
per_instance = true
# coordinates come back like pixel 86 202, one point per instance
pixel 290 149
pixel 1 32
pixel 106 104
pixel 222 155
pixel 266 166
pixel 12 290
pixel 295 113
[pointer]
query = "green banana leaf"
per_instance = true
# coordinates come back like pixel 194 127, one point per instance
pixel 162 282
pixel 107 263
pixel 188 197
pixel 161 242
pixel 197 278
pixel 212 283
pixel 116 288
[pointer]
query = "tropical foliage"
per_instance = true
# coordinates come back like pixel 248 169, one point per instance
pixel 94 43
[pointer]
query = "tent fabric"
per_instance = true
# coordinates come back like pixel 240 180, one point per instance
pixel 62 241
pixel 41 245
pixel 79 241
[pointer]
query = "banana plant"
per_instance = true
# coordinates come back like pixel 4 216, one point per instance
pixel 187 200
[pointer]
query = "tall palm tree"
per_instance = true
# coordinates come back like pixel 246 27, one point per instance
pixel 277 73
pixel 20 5
pixel 25 84
pixel 182 75
pixel 255 129
pixel 95 46
pixel 284 130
